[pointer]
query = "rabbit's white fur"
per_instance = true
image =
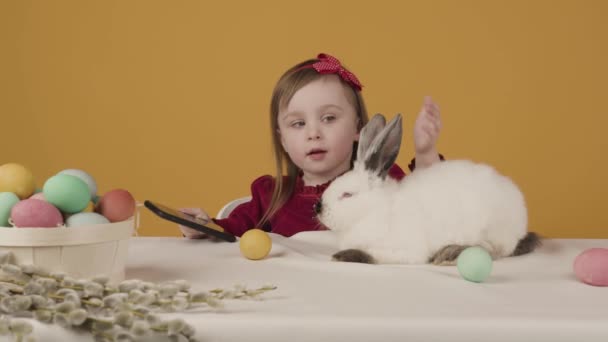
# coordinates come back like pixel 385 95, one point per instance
pixel 450 203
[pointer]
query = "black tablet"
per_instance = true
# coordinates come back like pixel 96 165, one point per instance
pixel 209 228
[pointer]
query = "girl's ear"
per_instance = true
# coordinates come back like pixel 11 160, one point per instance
pixel 358 126
pixel 383 150
pixel 281 139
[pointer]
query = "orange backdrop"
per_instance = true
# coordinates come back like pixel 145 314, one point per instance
pixel 169 99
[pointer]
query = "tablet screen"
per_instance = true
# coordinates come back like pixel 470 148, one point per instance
pixel 184 216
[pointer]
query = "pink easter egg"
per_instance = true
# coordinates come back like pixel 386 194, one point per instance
pixel 36 213
pixel 116 205
pixel 591 266
pixel 39 196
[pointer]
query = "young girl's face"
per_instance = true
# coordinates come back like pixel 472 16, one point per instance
pixel 318 128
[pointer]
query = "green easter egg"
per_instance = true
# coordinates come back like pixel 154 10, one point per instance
pixel 68 193
pixel 7 201
pixel 87 178
pixel 474 264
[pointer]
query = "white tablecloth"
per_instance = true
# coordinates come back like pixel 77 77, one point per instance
pixel 528 298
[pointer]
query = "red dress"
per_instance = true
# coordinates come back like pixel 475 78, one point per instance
pixel 295 216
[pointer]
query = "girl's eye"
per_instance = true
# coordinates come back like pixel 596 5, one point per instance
pixel 346 195
pixel 297 124
pixel 329 118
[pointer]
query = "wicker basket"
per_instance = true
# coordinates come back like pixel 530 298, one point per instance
pixel 80 252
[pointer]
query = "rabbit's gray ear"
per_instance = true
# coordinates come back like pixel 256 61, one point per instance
pixel 368 133
pixel 383 151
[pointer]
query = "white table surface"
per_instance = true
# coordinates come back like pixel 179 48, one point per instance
pixel 528 298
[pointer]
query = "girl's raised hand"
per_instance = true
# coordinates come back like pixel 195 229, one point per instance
pixel 427 128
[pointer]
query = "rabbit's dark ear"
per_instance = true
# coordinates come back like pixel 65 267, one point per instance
pixel 368 133
pixel 383 150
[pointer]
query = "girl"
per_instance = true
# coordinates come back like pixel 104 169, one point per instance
pixel 316 113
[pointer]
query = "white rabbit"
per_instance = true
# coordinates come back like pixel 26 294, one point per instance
pixel 430 216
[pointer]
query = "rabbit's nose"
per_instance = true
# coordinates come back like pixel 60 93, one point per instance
pixel 318 207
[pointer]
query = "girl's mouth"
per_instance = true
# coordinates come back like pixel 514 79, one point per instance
pixel 315 151
pixel 316 154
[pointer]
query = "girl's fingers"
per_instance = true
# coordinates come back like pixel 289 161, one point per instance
pixel 431 116
pixel 430 130
pixel 191 233
pixel 433 110
pixel 432 120
pixel 435 119
pixel 437 124
pixel 192 211
pixel 428 100
pixel 203 218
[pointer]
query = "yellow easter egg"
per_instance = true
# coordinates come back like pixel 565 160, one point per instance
pixel 255 244
pixel 17 179
pixel 90 207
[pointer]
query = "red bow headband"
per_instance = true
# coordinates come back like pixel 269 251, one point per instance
pixel 331 65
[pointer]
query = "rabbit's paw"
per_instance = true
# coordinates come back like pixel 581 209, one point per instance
pixel 354 255
pixel 447 255
pixel 527 244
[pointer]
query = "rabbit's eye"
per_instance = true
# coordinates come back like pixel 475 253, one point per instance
pixel 346 195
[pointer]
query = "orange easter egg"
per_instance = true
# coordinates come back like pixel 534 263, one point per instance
pixel 116 205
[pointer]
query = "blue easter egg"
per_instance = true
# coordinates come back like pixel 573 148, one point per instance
pixel 85 219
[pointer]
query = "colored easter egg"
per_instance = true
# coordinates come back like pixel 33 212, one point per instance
pixel 17 179
pixel 7 201
pixel 474 264
pixel 90 207
pixel 36 214
pixel 85 219
pixel 255 244
pixel 85 177
pixel 591 266
pixel 116 205
pixel 38 195
pixel 68 193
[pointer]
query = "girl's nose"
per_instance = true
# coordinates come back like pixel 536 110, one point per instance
pixel 314 133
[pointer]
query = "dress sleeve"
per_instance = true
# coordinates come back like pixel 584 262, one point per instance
pixel 247 215
pixel 412 164
pixel 396 172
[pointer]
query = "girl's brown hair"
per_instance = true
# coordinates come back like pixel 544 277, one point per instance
pixel 290 82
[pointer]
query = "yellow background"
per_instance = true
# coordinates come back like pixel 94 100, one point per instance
pixel 169 99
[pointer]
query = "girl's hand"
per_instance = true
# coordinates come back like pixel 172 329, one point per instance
pixel 426 128
pixel 198 214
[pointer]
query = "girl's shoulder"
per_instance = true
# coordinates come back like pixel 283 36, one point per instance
pixel 263 183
